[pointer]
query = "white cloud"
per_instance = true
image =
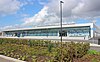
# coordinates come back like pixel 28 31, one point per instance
pixel 82 8
pixel 10 27
pixel 41 18
pixel 43 2
pixel 49 14
pixel 72 10
pixel 68 5
pixel 37 18
pixel 27 2
pixel 87 8
pixel 6 27
pixel 9 6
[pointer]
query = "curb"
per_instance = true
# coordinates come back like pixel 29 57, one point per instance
pixel 9 59
pixel 95 45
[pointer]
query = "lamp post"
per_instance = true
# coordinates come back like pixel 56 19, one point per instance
pixel 61 19
pixel 61 28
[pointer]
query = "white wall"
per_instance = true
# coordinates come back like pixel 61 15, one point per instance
pixel 92 33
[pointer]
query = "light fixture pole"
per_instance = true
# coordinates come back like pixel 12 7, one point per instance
pixel 61 19
pixel 61 29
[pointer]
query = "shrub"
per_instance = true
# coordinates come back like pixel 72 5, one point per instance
pixel 71 50
pixel 24 49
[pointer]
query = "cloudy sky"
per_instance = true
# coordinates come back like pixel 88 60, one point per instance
pixel 29 13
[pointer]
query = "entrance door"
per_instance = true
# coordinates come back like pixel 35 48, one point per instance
pixel 64 33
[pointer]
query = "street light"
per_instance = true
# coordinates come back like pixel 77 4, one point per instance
pixel 61 19
pixel 61 28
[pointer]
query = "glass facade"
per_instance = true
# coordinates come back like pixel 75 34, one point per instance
pixel 40 32
pixel 79 31
pixel 66 31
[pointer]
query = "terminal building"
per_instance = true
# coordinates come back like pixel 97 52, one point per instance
pixel 69 31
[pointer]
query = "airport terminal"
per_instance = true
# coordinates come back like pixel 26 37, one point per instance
pixel 69 31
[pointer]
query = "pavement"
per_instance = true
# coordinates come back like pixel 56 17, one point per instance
pixel 8 59
pixel 95 47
